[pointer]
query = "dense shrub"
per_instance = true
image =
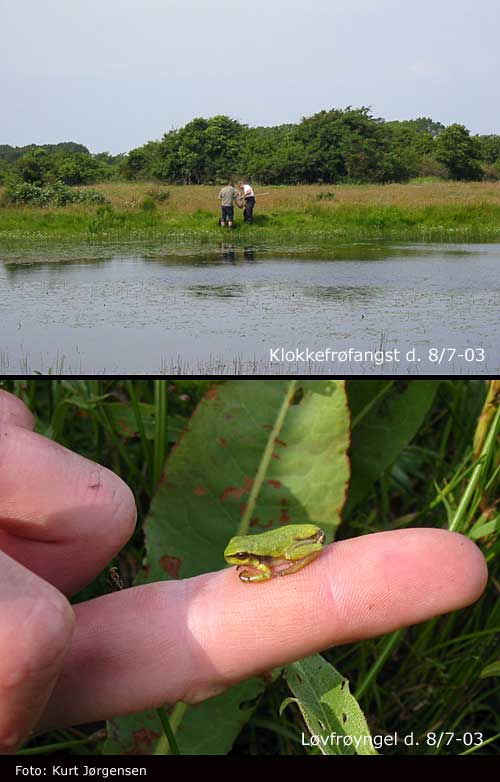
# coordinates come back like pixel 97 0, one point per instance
pixel 148 204
pixel 459 151
pixel 347 145
pixel 491 171
pixel 160 196
pixel 51 195
pixel 430 167
pixel 336 146
pixel 325 195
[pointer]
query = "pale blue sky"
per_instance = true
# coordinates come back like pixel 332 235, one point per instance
pixel 113 74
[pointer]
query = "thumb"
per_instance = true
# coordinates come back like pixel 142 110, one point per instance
pixel 36 626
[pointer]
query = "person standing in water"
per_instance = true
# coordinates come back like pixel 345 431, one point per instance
pixel 227 197
pixel 249 201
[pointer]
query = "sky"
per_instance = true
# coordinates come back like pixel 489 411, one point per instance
pixel 113 74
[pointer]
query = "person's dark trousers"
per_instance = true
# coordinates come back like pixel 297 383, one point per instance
pixel 248 213
pixel 227 214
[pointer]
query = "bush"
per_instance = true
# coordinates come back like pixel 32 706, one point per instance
pixel 328 195
pixel 159 196
pixel 459 152
pixel 4 172
pixel 492 171
pixel 148 204
pixel 430 167
pixel 79 169
pixel 26 193
pixel 91 196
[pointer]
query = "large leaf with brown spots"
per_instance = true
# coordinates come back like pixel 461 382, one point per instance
pixel 257 454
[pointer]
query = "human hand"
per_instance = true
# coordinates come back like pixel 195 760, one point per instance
pixel 62 518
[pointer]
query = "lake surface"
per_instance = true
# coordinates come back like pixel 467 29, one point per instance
pixel 430 309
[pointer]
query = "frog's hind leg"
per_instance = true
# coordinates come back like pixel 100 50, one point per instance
pixel 298 564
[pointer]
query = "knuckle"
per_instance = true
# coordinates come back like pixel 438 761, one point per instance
pixel 56 622
pixel 34 645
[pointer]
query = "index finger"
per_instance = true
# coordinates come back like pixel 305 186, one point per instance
pixel 189 640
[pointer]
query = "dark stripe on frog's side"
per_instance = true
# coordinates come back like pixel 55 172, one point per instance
pixel 270 560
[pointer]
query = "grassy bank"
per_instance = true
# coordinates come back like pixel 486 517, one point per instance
pixel 436 211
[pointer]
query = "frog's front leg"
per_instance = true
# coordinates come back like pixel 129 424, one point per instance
pixel 264 573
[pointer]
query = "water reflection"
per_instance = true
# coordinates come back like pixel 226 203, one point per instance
pixel 230 253
pixel 14 269
pixel 33 257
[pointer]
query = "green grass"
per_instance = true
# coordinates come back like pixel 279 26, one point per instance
pixel 313 223
pixel 425 679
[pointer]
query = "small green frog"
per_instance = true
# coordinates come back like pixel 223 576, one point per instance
pixel 275 553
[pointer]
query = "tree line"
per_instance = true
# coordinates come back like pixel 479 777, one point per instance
pixel 336 146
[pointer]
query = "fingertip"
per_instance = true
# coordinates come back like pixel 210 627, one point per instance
pixel 126 514
pixel 470 562
pixel 397 578
pixel 14 412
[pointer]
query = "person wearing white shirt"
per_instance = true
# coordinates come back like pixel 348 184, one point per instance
pixel 249 200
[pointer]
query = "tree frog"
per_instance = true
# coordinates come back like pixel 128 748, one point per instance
pixel 274 553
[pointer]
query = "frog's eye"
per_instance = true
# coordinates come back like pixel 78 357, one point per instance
pixel 240 555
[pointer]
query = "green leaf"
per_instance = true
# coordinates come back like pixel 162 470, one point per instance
pixel 386 415
pixel 336 724
pixel 250 459
pixel 255 455
pixel 493 669
pixel 483 528
pixel 123 417
pixel 207 729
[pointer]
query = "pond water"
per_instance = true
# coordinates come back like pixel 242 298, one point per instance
pixel 358 309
